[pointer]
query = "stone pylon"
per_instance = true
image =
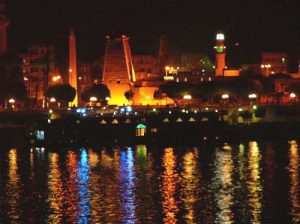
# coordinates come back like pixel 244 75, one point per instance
pixel 118 70
pixel 73 66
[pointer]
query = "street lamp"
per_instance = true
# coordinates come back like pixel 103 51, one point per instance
pixel 167 69
pixel 56 78
pixel 293 95
pixel 93 99
pixel 52 100
pixel 11 101
pixel 225 96
pixel 187 97
pixel 252 96
pixel 266 66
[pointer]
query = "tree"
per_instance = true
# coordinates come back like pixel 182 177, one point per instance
pixel 62 93
pixel 100 91
pixel 176 90
pixel 129 95
pixel 158 94
pixel 11 78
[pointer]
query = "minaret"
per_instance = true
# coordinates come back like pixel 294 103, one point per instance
pixel 73 66
pixel 4 22
pixel 220 55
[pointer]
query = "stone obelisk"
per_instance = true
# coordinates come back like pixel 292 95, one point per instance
pixel 73 66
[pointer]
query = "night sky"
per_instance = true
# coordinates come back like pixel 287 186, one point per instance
pixel 191 25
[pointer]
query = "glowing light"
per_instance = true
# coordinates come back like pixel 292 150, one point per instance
pixel 52 100
pixel 11 100
pixel 225 96
pixel 240 109
pixel 187 97
pixel 254 107
pixel 107 98
pixel 56 78
pixel 265 66
pixel 220 36
pixel 50 111
pixel 293 95
pixel 252 96
pixel 93 99
pixel 25 79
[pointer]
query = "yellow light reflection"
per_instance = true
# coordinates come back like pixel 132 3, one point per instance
pixel 190 185
pixel 170 178
pixel 293 170
pixel 13 187
pixel 71 195
pixel 223 186
pixel 254 183
pixel 93 158
pixel 55 197
pixel 141 152
pixel 108 180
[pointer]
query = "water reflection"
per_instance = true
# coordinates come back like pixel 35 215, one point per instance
pixel 254 186
pixel 240 183
pixel 293 169
pixel 55 198
pixel 109 186
pixel 83 191
pixel 223 185
pixel 245 183
pixel 71 192
pixel 190 185
pixel 170 179
pixel 13 187
pixel 128 186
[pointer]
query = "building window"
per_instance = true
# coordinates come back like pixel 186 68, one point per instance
pixel 140 130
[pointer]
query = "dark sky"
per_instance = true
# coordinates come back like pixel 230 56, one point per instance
pixel 190 24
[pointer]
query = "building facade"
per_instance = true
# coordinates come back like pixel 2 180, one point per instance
pixel 40 71
pixel 274 63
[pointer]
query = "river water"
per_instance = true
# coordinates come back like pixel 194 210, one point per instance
pixel 248 182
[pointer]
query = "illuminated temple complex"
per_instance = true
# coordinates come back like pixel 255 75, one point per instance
pixel 120 75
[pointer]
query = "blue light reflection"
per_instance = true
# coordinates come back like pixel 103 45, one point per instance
pixel 128 186
pixel 83 191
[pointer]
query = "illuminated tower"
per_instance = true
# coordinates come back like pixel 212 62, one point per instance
pixel 73 66
pixel 220 54
pixel 118 71
pixel 4 22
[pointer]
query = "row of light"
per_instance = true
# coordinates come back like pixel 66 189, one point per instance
pixel 95 99
pixel 226 96
pixel 266 66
